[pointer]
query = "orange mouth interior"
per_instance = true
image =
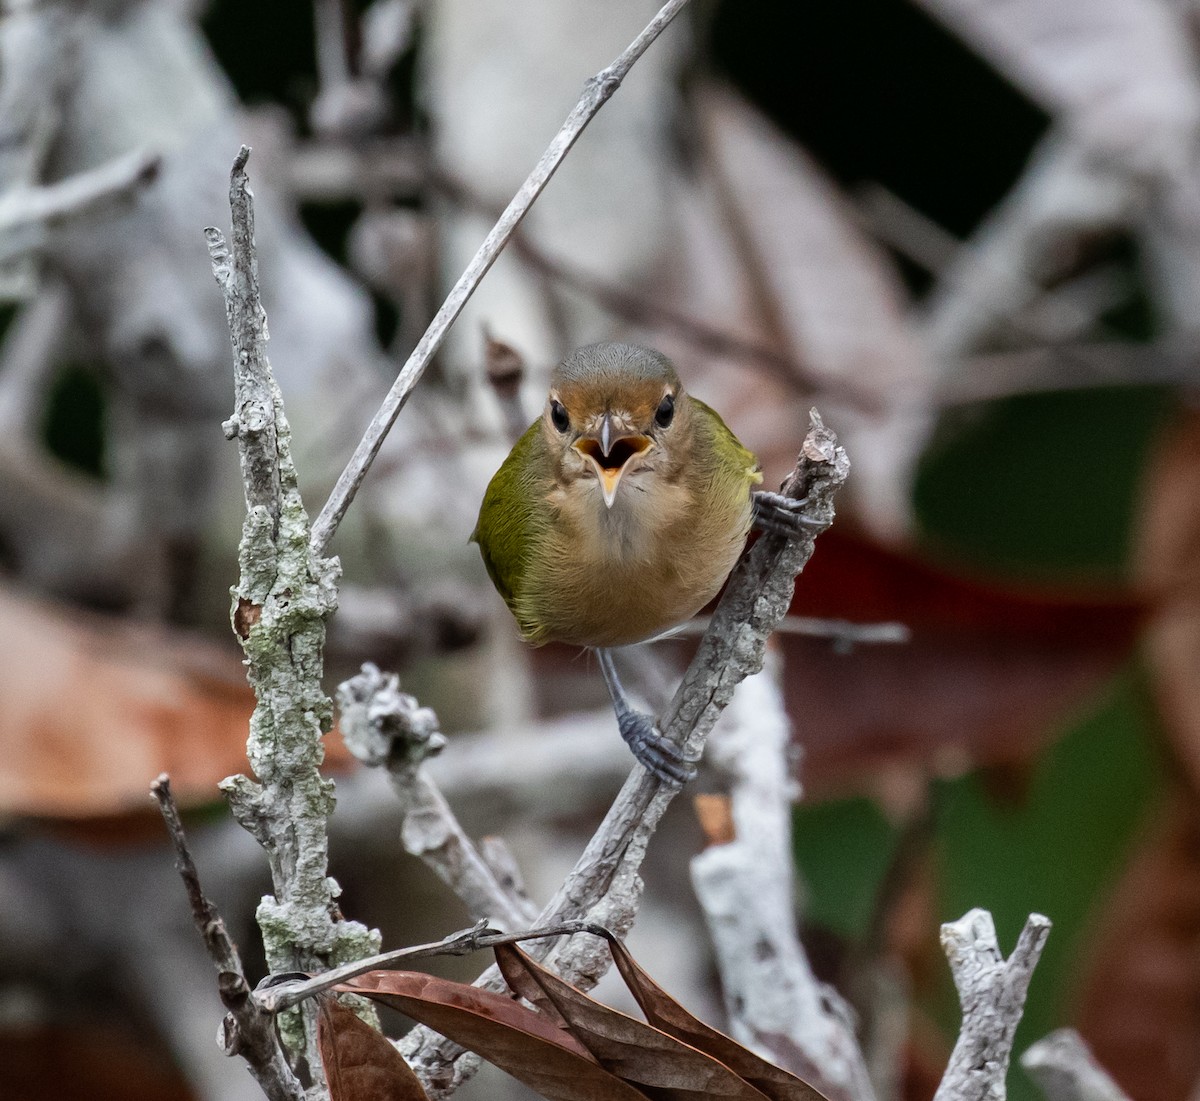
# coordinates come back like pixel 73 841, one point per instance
pixel 622 451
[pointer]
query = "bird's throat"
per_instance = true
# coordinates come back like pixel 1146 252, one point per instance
pixel 609 466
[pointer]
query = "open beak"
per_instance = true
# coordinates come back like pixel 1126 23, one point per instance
pixel 610 457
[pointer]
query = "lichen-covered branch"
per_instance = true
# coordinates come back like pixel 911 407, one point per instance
pixel 383 726
pixel 992 991
pixel 776 1005
pixel 605 886
pixel 282 600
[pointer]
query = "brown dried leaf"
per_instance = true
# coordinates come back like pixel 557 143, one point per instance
pixel 988 674
pixel 637 1052
pixel 516 1039
pixel 665 1013
pixel 96 706
pixel 1139 1008
pixel 715 815
pixel 360 1063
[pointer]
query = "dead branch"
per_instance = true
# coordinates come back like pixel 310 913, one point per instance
pixel 1065 1070
pixel 248 1030
pixel 776 1005
pixel 992 992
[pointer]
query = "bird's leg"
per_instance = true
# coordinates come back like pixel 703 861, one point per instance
pixel 653 751
pixel 779 515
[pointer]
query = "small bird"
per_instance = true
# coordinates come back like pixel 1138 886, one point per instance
pixel 619 514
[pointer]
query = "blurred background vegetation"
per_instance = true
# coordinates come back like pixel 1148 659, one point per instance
pixel 1035 746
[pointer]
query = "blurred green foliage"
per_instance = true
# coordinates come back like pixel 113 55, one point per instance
pixel 73 424
pixel 844 848
pixel 1054 850
pixel 1040 486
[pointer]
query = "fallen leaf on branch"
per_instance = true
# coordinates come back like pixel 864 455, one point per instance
pixel 519 1041
pixel 637 1052
pixel 360 1062
pixel 574 1048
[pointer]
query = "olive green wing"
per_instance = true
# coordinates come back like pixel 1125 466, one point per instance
pixel 512 517
pixel 730 456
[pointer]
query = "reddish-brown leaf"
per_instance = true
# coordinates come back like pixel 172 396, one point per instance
pixel 637 1052
pixel 130 700
pixel 665 1013
pixel 1167 564
pixel 516 1039
pixel 1139 1006
pixel 360 1064
pixel 989 673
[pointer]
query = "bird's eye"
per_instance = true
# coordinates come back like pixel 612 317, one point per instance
pixel 558 416
pixel 666 410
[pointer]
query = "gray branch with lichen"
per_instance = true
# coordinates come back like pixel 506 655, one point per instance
pixel 284 596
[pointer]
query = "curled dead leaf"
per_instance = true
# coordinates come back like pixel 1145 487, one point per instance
pixel 519 1041
pixel 665 1013
pixel 637 1052
pixel 571 1047
pixel 360 1063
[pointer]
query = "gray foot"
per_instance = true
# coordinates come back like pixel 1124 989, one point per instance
pixel 653 751
pixel 776 514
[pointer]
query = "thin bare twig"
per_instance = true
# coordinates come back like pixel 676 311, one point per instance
pixel 596 93
pixel 249 1029
pixel 281 995
pixel 841 632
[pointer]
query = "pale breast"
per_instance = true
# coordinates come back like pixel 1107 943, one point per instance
pixel 621 575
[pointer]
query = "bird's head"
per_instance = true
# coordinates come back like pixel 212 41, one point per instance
pixel 613 410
